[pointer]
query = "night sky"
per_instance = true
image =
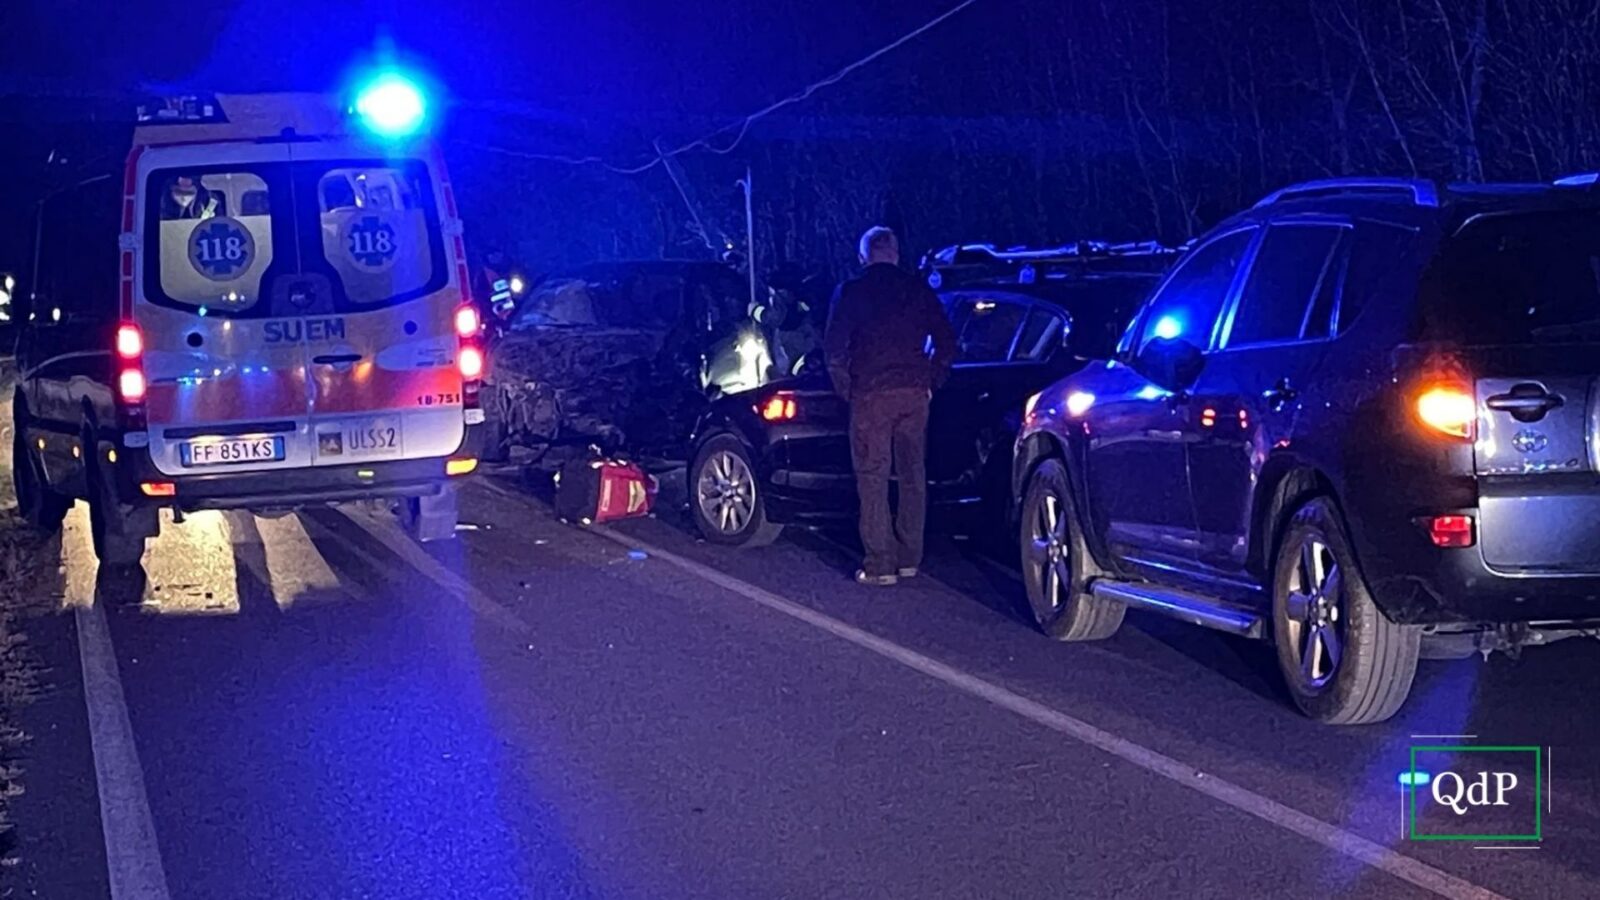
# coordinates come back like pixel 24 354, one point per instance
pixel 720 56
pixel 513 67
pixel 1017 121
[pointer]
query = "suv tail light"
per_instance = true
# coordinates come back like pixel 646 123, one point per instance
pixel 780 407
pixel 1449 408
pixel 131 384
pixel 1450 531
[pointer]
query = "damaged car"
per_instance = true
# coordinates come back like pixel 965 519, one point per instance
pixel 1023 318
pixel 620 358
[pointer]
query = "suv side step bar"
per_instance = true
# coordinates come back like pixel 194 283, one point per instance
pixel 1182 605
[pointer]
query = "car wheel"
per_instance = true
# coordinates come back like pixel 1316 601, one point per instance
pixel 1056 566
pixel 43 508
pixel 726 497
pixel 115 543
pixel 1344 661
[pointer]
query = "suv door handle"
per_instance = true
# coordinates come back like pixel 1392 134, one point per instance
pixel 1280 395
pixel 1525 402
pixel 334 359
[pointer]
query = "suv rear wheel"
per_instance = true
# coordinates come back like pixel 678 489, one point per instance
pixel 1344 661
pixel 1056 566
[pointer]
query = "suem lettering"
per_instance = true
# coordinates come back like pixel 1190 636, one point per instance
pixel 291 331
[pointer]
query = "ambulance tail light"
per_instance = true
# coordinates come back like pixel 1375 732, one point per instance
pixel 130 342
pixel 467 322
pixel 130 387
pixel 469 360
pixel 469 356
pixel 131 384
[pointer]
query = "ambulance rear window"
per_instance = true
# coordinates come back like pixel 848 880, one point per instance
pixel 214 236
pixel 379 232
pixel 246 239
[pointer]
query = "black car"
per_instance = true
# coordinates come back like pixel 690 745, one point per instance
pixel 1361 418
pixel 620 356
pixel 781 454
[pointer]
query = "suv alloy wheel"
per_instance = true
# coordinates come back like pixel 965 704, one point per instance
pixel 1056 566
pixel 1344 661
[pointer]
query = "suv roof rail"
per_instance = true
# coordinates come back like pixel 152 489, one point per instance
pixel 1423 193
pixel 1582 179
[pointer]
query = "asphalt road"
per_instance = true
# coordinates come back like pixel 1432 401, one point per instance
pixel 313 706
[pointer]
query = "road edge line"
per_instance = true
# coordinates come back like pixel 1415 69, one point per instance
pixel 1370 853
pixel 133 857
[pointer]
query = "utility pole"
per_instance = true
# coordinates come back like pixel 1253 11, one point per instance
pixel 749 232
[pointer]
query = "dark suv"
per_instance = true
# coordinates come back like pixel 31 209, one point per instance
pixel 1361 418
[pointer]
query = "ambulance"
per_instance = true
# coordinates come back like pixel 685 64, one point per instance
pixel 268 309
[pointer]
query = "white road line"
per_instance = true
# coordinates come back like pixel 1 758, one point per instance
pixel 133 859
pixel 292 565
pixel 1331 836
pixel 402 546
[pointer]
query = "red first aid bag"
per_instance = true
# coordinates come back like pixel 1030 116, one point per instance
pixel 591 492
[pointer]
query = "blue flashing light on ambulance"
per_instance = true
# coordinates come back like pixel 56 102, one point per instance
pixel 269 308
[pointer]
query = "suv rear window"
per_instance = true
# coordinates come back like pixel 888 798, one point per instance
pixel 219 238
pixel 1522 278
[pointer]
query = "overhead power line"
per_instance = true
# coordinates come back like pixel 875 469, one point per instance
pixel 743 125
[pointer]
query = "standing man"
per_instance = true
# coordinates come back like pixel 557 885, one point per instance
pixel 877 351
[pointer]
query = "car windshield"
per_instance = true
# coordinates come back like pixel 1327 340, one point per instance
pixel 1525 278
pixel 646 300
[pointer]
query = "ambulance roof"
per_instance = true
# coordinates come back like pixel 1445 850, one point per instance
pixel 248 117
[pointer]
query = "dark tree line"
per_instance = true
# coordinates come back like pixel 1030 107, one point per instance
pixel 1031 120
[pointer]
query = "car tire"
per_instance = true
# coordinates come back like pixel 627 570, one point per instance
pixel 1056 564
pixel 117 540
pixel 1344 662
pixel 116 545
pixel 726 497
pixel 41 507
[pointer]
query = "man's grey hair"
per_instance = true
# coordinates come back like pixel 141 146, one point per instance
pixel 879 241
